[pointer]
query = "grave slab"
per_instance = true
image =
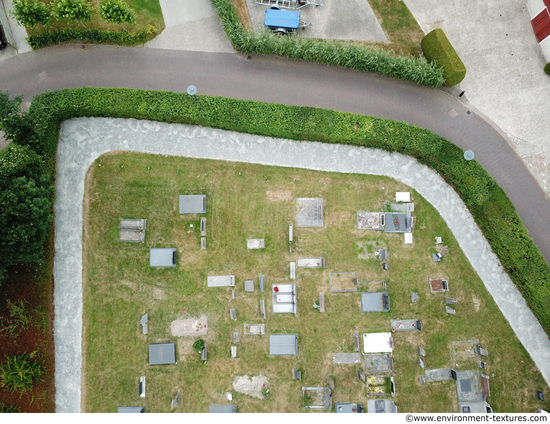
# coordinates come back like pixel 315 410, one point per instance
pixel 296 374
pixel 293 270
pixel 450 301
pixel 221 281
pixel 421 351
pixel 203 227
pixel 249 286
pixel 236 336
pixel 406 325
pixel 321 302
pixel 309 212
pixel 370 220
pixel 346 358
pixel 233 313
pixel 414 297
pixel 450 310
pixel 311 262
pixel 193 203
pixel 439 374
pixel 255 244
pixel 378 363
pixel 132 230
pixel 203 243
pixel 356 345
pixel 262 282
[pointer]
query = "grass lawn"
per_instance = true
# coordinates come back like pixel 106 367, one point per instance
pixel 147 13
pixel 254 201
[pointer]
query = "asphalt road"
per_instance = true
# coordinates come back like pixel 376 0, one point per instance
pixel 279 80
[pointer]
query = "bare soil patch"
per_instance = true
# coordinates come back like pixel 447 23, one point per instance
pixel 251 386
pixel 279 195
pixel 189 327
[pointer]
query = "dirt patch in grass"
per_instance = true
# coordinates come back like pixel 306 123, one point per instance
pixel 190 327
pixel 242 13
pixel 279 195
pixel 251 386
pixel 342 282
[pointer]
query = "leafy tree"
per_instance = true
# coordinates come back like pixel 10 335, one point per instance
pixel 25 207
pixel 73 11
pixel 14 124
pixel 30 13
pixel 117 12
pixel 21 372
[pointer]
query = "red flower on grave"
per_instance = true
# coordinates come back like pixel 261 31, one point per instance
pixel 276 289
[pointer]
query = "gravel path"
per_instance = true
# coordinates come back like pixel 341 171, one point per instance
pixel 83 140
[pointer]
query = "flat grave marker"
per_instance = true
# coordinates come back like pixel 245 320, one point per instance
pixel 421 362
pixel 141 386
pixel 450 301
pixel 203 227
pixel 255 244
pixel 262 282
pixel 296 374
pixel 293 270
pixel 421 351
pixel 176 400
pixel 233 313
pixel 203 243
pixel 356 345
pixel 414 297
pixel 236 336
pixel 262 308
pixel 539 395
pixel 481 364
pixel 321 302
pixel 309 212
pixel 249 286
pixel 450 310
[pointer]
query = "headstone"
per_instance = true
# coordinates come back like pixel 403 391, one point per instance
pixel 356 341
pixel 141 386
pixel 233 313
pixel 234 352
pixel 414 297
pixel 203 243
pixel 296 374
pixel 175 400
pixel 249 286
pixel 421 351
pixel 262 308
pixel 480 351
pixel 145 329
pixel 450 310
pixel 204 354
pixel 408 238
pixel 382 254
pixel 321 302
pixel 229 396
pixel 423 379
pixel 331 382
pixel 361 375
pixel 438 240
pixel 539 395
pixel 143 321
pixel 236 337
pixel 233 294
pixel 445 285
pixel 435 257
pixel 203 227
pixel 421 362
pixel 451 301
pixel 293 270
pixel 262 282
pixel 454 375
pixel 290 234
pixel 481 364
pixel 385 266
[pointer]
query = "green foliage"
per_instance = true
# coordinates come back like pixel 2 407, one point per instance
pixel 117 12
pixel 73 11
pixel 198 345
pixel 30 13
pixel 93 35
pixel 4 409
pixel 12 122
pixel 491 208
pixel 19 318
pixel 547 68
pixel 327 51
pixel 438 49
pixel 25 206
pixel 21 372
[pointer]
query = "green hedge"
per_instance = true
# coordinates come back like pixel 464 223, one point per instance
pixel 547 68
pixel 329 52
pixel 438 49
pixel 491 208
pixel 50 37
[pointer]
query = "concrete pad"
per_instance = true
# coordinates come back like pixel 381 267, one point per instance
pixel 350 20
pixel 505 79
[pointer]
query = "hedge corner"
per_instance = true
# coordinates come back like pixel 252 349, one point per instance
pixel 438 49
pixel 547 68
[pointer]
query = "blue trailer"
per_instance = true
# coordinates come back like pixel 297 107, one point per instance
pixel 283 21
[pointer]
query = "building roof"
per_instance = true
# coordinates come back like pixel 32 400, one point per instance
pixel 162 353
pixel 192 203
pixel 228 409
pixel 349 408
pixel 163 257
pixel 283 344
pixel 131 409
pixel 375 301
pixel 398 222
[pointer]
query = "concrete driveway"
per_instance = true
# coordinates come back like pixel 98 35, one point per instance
pixel 505 79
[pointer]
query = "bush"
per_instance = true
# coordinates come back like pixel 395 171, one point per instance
pixel 491 208
pixel 547 68
pixel 327 51
pixel 19 318
pixel 198 345
pixel 438 49
pixel 4 409
pixel 86 35
pixel 21 372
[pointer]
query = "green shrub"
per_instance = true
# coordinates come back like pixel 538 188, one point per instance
pixel 19 318
pixel 198 345
pixel 21 372
pixel 547 68
pixel 330 52
pixel 438 49
pixel 491 208
pixel 4 409
pixel 86 35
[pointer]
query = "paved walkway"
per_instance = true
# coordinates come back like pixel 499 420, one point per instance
pixel 505 79
pixel 83 140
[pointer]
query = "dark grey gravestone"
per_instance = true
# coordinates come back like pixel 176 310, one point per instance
pixel 309 212
pixel 236 337
pixel 175 400
pixel 450 310
pixel 421 351
pixel 331 382
pixel 414 297
pixel 233 313
pixel 481 364
pixel 539 395
pixel 465 385
pixel 451 301
pixel 361 375
pixel 385 266
pixel 435 257
pixel 382 254
pixel 204 353
pixel 421 362
pixel 297 374
pixel 262 282
pixel 480 351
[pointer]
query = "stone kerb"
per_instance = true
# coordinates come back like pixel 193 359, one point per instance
pixel 83 140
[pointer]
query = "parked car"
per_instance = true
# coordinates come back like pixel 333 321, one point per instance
pixel 3 40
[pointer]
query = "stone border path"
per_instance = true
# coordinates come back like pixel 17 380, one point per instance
pixel 85 139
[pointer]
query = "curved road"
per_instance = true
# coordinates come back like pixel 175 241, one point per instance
pixel 279 80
